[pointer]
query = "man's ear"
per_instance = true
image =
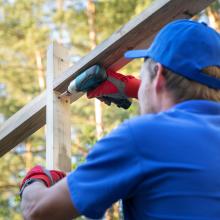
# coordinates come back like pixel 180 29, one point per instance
pixel 160 81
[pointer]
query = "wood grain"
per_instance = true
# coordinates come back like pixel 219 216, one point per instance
pixel 58 127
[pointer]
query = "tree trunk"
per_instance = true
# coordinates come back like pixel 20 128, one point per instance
pixel 28 156
pixel 40 71
pixel 59 7
pixel 93 40
pixel 59 4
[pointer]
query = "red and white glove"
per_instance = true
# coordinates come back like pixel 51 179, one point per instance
pixel 117 88
pixel 40 174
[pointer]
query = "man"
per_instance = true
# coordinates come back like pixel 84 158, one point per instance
pixel 164 164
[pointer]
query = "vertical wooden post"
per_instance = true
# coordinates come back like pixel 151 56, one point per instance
pixel 58 127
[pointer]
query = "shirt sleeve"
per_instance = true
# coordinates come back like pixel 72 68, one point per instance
pixel 111 172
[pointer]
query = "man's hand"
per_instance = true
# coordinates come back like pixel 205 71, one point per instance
pixel 40 174
pixel 117 88
pixel 39 199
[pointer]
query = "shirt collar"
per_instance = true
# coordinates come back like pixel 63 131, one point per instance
pixel 199 106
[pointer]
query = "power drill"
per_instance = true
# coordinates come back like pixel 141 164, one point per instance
pixel 90 79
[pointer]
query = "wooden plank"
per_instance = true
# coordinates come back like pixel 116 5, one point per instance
pixel 58 127
pixel 23 124
pixel 137 33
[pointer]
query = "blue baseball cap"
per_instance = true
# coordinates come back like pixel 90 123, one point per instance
pixel 185 47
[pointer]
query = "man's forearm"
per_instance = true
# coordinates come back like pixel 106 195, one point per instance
pixel 42 203
pixel 31 197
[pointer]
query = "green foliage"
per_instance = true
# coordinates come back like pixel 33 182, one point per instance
pixel 216 5
pixel 21 33
pixel 113 14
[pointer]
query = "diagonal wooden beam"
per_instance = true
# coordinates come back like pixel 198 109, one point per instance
pixel 23 123
pixel 136 33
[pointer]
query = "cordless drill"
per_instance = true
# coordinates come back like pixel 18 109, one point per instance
pixel 90 79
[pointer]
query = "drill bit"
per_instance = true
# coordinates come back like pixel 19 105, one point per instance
pixel 66 93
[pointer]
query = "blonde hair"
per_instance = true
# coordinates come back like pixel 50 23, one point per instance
pixel 185 89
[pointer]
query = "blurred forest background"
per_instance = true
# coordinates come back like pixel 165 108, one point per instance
pixel 27 27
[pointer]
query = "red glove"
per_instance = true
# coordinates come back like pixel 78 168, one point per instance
pixel 40 174
pixel 117 88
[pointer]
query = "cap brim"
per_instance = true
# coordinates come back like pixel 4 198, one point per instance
pixel 132 54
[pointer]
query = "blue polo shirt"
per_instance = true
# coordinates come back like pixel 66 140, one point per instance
pixel 163 166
